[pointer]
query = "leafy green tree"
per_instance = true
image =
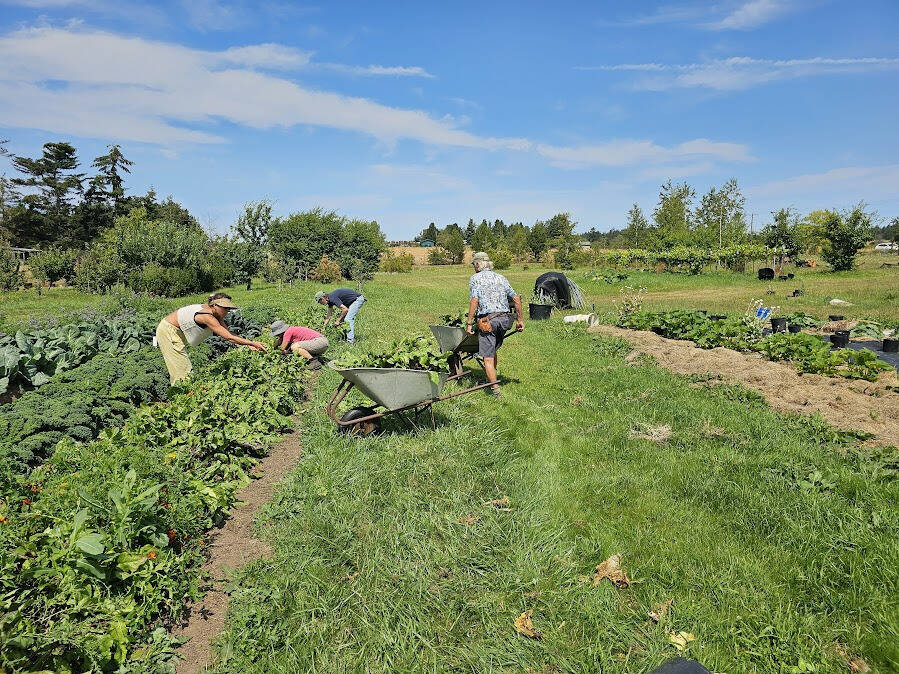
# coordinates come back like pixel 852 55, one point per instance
pixel 483 238
pixel 254 223
pixel 450 239
pixel 846 234
pixel 781 235
pixel 306 237
pixel 499 230
pixel 538 239
pixel 673 215
pixel 637 234
pixel 10 273
pixel 720 219
pixel 55 183
pixel 810 231
pixel 361 245
pixel 53 264
pixel 560 225
pixel 243 258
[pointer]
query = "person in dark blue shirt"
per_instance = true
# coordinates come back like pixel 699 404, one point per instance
pixel 348 302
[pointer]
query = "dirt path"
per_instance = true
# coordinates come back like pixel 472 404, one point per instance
pixel 844 403
pixel 230 547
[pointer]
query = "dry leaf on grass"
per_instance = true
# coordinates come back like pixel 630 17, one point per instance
pixel 525 626
pixel 611 569
pixel 681 640
pixel 657 434
pixel 660 610
pixel 500 503
pixel 469 519
pixel 353 576
pixel 856 664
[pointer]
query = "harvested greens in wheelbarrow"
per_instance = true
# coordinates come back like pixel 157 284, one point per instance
pixel 411 353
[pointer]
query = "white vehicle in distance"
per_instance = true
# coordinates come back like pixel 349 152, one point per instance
pixel 886 245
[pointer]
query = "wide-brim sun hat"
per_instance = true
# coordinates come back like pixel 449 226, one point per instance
pixel 319 295
pixel 278 328
pixel 223 302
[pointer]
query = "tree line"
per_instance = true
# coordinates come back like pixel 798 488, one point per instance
pixel 91 233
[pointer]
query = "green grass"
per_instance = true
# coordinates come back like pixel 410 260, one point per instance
pixel 373 570
pixel 761 570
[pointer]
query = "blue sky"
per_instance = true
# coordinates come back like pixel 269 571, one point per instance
pixel 411 112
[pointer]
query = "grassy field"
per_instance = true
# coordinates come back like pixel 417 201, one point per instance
pixel 873 291
pixel 773 537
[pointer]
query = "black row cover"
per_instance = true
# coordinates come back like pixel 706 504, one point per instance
pixel 554 285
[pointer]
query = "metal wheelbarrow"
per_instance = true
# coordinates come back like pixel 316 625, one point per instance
pixel 395 390
pixel 460 345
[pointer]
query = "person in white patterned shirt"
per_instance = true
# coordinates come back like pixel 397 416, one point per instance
pixel 490 295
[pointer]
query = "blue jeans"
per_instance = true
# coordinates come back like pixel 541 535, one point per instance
pixel 351 318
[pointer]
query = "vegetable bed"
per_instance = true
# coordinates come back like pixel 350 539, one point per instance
pixel 104 540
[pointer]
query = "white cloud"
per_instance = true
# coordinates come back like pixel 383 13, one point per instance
pixel 752 14
pixel 868 182
pixel 132 88
pixel 743 72
pixel 635 152
pixel 391 71
pixel 267 55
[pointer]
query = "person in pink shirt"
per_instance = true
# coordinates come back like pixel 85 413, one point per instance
pixel 304 342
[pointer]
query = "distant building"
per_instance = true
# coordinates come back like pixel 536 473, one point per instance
pixel 584 243
pixel 22 254
pixel 427 243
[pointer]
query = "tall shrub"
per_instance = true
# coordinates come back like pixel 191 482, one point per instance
pixel 845 234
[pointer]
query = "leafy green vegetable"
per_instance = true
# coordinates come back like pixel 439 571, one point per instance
pixel 412 353
pixel 458 320
pixel 104 539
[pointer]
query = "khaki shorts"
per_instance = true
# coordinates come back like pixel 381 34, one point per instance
pixel 173 345
pixel 315 346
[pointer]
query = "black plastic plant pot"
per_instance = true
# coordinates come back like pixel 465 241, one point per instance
pixel 779 324
pixel 539 312
pixel 836 317
pixel 794 328
pixel 891 345
pixel 839 340
pixel 791 276
pixel 718 317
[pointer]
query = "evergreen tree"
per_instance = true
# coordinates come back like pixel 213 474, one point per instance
pixel 483 238
pixel 469 231
pixel 109 180
pixel 53 177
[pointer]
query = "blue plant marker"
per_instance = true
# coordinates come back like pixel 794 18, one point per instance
pixel 762 312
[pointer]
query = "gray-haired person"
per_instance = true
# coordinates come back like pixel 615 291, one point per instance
pixel 490 297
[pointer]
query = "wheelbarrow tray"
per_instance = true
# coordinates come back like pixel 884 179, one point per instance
pixel 395 388
pixel 454 340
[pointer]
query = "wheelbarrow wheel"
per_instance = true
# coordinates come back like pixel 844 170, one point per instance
pixel 363 428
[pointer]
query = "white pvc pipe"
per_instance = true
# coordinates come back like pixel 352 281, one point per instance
pixel 589 319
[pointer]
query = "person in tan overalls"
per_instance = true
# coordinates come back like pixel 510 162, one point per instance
pixel 193 325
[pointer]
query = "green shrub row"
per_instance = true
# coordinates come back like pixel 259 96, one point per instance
pixel 808 352
pixel 78 404
pixel 105 538
pixel 689 259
